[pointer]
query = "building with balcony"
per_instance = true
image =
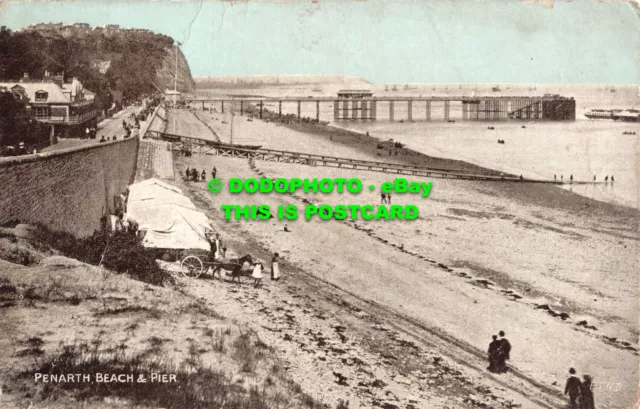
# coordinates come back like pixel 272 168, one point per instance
pixel 67 107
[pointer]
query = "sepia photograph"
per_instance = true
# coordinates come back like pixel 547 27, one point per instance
pixel 319 204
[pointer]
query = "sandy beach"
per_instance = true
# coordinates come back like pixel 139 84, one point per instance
pixel 555 270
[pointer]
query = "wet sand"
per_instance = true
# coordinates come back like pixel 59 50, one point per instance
pixel 545 265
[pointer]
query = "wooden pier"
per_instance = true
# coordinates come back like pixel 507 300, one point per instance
pixel 207 147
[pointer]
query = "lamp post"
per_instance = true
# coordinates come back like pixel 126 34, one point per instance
pixel 231 138
pixel 175 89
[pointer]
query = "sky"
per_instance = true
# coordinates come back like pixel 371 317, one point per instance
pixel 382 41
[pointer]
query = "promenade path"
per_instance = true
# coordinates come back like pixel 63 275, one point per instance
pixel 109 127
pixel 155 160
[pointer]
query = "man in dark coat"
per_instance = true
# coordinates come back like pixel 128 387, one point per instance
pixel 493 354
pixel 504 352
pixel 572 388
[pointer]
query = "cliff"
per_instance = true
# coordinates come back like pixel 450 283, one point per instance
pixel 165 73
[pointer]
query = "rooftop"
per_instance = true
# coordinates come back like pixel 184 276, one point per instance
pixel 55 94
pixel 355 91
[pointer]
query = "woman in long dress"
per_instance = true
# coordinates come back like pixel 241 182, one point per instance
pixel 257 274
pixel 275 267
pixel 586 394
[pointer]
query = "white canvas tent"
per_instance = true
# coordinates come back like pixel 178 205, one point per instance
pixel 170 219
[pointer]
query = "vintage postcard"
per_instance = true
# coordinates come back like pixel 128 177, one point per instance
pixel 319 204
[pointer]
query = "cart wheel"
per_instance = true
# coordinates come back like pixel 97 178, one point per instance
pixel 191 267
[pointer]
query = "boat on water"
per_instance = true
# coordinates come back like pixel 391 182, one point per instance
pixel 317 89
pixel 626 115
pixel 496 89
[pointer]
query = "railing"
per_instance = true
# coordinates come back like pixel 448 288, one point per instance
pixel 70 120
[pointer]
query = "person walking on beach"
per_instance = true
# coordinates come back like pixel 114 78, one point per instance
pixel 213 172
pixel 187 172
pixel 493 354
pixel 586 394
pixel 203 175
pixel 389 198
pixel 572 388
pixel 594 178
pixel 275 267
pixel 504 352
pixel 571 178
pixel 257 274
pixel 606 178
pixel 384 198
pixel 555 178
pixel 612 180
pixel 561 178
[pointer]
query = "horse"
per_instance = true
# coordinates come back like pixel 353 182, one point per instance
pixel 233 265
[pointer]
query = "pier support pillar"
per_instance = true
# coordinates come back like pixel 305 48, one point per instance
pixel 336 110
pixel 372 111
pixel 279 108
pixel 345 109
pixel 390 110
pixel 241 107
pixel 299 109
pixel 410 110
pixel 354 109
pixel 446 110
pixel 428 110
pixel 318 111
pixel 465 108
pixel 203 105
pixel 261 105
pixel 222 106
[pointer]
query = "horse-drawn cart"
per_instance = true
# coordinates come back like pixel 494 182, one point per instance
pixel 196 262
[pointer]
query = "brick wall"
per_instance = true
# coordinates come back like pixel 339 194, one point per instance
pixel 69 189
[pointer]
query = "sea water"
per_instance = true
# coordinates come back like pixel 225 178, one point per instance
pixel 533 148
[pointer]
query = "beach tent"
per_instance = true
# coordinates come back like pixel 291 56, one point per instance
pixel 170 226
pixel 169 219
pixel 151 193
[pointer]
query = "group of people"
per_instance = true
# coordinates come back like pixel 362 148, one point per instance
pixel 218 251
pixel 89 133
pixel 606 178
pixel 499 352
pixel 259 267
pixel 194 176
pixel 385 198
pixel 580 392
pixel 103 139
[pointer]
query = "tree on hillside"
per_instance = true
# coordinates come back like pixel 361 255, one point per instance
pixel 15 124
pixel 135 56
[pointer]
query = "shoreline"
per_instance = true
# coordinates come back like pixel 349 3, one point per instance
pixel 441 262
pixel 532 193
